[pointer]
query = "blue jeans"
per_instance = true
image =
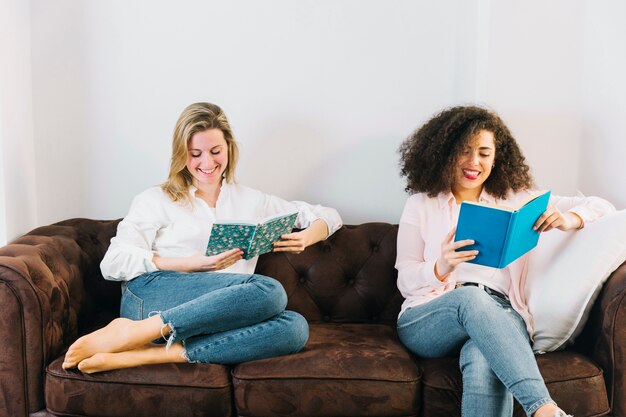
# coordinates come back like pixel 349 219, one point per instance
pixel 496 360
pixel 219 317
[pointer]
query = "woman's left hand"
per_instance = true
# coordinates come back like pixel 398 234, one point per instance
pixel 292 242
pixel 296 242
pixel 552 218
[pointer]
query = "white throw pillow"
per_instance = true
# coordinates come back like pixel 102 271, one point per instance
pixel 565 275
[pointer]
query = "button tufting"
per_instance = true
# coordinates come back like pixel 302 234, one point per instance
pixel 302 280
pixel 375 248
pixel 351 282
pixel 326 318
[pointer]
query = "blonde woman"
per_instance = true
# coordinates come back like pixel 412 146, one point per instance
pixel 211 309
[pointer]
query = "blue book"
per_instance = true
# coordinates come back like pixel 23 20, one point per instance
pixel 252 238
pixel 500 234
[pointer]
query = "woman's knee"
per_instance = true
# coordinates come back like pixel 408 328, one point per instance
pixel 274 292
pixel 295 331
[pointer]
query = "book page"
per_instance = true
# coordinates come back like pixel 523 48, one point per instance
pixel 278 216
pixel 533 195
pixel 524 201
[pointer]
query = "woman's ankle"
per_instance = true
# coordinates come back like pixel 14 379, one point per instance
pixel 550 410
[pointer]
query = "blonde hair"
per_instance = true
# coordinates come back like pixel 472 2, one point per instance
pixel 196 117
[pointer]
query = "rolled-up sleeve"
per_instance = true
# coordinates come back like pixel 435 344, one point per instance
pixel 307 213
pixel 130 253
pixel 588 209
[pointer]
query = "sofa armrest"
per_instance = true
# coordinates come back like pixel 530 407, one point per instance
pixel 604 337
pixel 44 290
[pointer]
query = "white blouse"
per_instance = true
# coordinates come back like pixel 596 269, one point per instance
pixel 157 225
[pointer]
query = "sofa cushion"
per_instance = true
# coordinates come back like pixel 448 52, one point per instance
pixel 574 382
pixel 152 390
pixel 344 370
pixel 565 275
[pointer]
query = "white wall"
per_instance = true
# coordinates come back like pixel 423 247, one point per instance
pixel 320 94
pixel 603 150
pixel 534 81
pixel 17 161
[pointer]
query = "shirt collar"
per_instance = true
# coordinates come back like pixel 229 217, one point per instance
pixel 485 197
pixel 447 199
pixel 225 188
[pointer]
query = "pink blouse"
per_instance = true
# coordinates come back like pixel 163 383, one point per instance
pixel 427 220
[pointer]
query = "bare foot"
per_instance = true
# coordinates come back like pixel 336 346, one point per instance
pixel 120 335
pixel 149 354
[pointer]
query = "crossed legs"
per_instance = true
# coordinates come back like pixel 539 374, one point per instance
pixel 497 361
pixel 212 318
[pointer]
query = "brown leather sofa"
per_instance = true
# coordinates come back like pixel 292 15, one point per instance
pixel 51 290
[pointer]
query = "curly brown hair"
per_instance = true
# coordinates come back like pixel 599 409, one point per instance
pixel 428 157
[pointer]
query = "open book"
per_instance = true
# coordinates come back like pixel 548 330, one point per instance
pixel 253 238
pixel 500 234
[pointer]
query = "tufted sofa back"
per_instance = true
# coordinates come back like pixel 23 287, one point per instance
pixel 63 261
pixel 350 277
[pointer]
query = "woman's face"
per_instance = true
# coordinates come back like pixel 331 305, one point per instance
pixel 475 163
pixel 207 157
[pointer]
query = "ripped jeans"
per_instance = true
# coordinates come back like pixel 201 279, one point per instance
pixel 496 359
pixel 219 317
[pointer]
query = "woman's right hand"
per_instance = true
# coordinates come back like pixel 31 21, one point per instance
pixel 199 262
pixel 450 258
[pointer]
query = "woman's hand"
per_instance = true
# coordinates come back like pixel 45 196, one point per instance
pixel 449 258
pixel 292 242
pixel 199 262
pixel 552 218
pixel 298 241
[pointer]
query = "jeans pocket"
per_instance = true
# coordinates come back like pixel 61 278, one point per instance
pixel 131 306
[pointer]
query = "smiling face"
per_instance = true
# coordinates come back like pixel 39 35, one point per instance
pixel 207 157
pixel 473 166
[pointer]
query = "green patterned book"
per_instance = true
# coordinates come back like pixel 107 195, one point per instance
pixel 253 239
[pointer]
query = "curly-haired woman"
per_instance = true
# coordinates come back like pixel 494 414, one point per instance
pixel 453 307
